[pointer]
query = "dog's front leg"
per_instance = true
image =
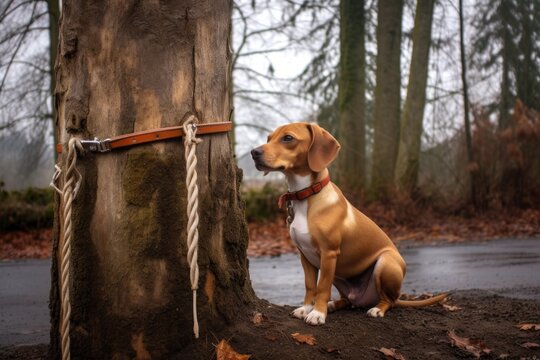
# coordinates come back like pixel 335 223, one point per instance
pixel 324 287
pixel 310 278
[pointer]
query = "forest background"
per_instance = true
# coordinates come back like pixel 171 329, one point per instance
pixel 435 103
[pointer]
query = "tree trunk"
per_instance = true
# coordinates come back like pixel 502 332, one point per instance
pixel 133 66
pixel 468 137
pixel 53 8
pixel 352 96
pixel 506 94
pixel 413 110
pixel 387 96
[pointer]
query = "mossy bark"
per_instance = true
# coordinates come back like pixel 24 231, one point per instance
pixel 408 160
pixel 132 66
pixel 352 96
pixel 387 96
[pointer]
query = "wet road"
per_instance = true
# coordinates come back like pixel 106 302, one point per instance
pixel 506 267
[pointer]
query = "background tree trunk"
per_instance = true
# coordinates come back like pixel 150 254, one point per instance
pixel 132 66
pixel 53 8
pixel 506 92
pixel 352 96
pixel 413 110
pixel 468 137
pixel 387 95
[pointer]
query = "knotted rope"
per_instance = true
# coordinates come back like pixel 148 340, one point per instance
pixel 72 184
pixel 190 144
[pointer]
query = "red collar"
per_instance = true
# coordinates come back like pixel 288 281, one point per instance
pixel 304 193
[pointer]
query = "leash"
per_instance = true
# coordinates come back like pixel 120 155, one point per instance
pixel 143 137
pixel 72 180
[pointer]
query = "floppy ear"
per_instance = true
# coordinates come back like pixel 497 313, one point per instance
pixel 323 149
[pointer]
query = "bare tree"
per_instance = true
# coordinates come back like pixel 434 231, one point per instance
pixel 352 96
pixel 407 164
pixel 387 95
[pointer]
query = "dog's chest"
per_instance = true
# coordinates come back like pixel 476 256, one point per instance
pixel 299 232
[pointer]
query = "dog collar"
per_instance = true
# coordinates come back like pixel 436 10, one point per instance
pixel 304 193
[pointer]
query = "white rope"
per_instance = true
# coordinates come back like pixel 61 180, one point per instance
pixel 72 183
pixel 190 145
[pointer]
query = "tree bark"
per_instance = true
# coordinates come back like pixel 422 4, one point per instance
pixel 387 96
pixel 407 162
pixel 133 66
pixel 352 96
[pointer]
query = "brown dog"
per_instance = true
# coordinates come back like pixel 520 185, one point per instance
pixel 349 249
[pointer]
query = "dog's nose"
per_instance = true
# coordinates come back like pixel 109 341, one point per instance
pixel 256 153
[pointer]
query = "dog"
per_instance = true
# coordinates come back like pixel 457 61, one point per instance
pixel 338 243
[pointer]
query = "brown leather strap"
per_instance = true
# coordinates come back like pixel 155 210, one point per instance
pixel 304 193
pixel 147 136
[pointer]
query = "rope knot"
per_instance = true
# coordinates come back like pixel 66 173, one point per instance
pixel 190 131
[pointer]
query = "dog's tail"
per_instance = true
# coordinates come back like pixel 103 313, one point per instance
pixel 421 303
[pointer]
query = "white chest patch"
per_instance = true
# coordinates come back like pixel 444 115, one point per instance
pixel 300 234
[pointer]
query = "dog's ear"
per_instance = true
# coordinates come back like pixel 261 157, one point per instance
pixel 323 149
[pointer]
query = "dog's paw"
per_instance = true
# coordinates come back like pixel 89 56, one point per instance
pixel 315 318
pixel 331 306
pixel 302 311
pixel 375 312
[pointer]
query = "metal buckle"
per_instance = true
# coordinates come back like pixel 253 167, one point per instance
pixel 97 145
pixel 290 212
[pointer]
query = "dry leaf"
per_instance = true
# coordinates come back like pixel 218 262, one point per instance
pixel 258 318
pixel 391 353
pixel 528 326
pixel 304 339
pixel 331 350
pixel 475 347
pixel 530 345
pixel 224 351
pixel 451 307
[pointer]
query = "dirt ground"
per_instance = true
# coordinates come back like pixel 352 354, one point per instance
pixel 350 334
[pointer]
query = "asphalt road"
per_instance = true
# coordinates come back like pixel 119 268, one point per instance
pixel 506 267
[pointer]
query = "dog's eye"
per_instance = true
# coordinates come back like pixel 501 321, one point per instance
pixel 287 138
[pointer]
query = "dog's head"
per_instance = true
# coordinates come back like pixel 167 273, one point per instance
pixel 299 148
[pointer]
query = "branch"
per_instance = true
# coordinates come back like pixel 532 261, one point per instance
pixel 267 51
pixel 255 126
pixel 267 92
pixel 263 104
pixel 23 35
pixel 250 70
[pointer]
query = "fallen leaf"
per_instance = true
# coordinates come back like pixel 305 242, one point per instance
pixel 304 339
pixel 530 345
pixel 528 326
pixel 224 351
pixel 258 318
pixel 476 347
pixel 391 353
pixel 329 350
pixel 451 307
